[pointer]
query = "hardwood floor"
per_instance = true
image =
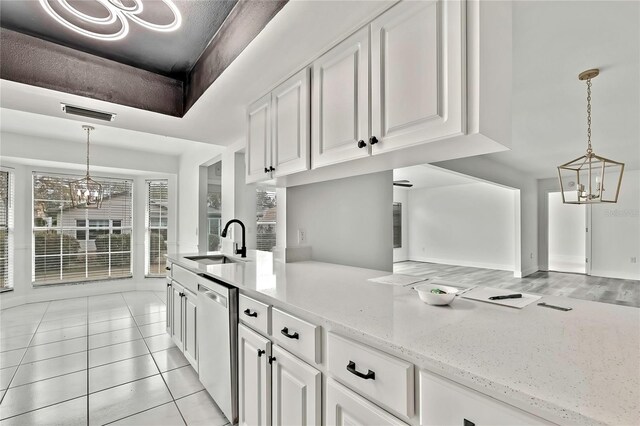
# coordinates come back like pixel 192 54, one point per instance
pixel 606 290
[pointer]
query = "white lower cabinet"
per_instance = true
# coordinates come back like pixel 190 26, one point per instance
pixel 181 320
pixel 345 407
pixel 296 390
pixel 275 387
pixel 444 403
pixel 254 378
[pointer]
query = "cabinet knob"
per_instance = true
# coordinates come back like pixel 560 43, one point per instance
pixel 168 284
pixel 271 359
pixel 261 352
pixel 361 144
pixel 266 170
pixel 373 140
pixel 181 294
pixel 272 169
pixel 468 423
pixel 168 268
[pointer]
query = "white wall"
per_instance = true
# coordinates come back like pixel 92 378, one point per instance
pixel 401 195
pixel 347 221
pixel 467 225
pixel 567 237
pixel 526 214
pixel 189 193
pixel 615 237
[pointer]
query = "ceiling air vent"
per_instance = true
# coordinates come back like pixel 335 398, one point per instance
pixel 88 113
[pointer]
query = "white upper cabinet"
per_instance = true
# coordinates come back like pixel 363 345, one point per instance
pixel 417 74
pixel 278 131
pixel 290 130
pixel 341 102
pixel 258 155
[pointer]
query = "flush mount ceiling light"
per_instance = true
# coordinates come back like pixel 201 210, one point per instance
pixel 116 11
pixel 590 179
pixel 86 192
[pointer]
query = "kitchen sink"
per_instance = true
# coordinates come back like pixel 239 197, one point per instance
pixel 211 259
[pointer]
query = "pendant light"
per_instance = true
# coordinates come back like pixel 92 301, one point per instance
pixel 86 192
pixel 590 179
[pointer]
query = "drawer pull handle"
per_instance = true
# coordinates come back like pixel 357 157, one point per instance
pixel 351 367
pixel 260 352
pixel 248 313
pixel 285 332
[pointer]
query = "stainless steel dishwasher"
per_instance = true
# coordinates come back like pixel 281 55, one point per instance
pixel 218 342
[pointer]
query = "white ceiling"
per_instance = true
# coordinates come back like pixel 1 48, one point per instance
pixel 553 42
pixel 428 176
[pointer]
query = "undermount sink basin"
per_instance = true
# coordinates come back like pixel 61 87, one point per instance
pixel 211 259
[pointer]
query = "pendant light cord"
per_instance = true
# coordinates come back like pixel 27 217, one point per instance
pixel 589 150
pixel 89 131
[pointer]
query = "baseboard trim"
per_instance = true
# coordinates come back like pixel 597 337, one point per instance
pixel 482 265
pixel 616 275
pixel 526 272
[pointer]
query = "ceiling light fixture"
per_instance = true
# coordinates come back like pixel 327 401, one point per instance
pixel 587 174
pixel 88 113
pixel 86 192
pixel 117 11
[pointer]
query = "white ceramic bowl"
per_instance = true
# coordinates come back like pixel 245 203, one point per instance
pixel 424 291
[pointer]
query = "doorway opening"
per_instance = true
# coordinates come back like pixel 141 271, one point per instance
pixel 567 235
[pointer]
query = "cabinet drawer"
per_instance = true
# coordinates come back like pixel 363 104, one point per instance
pixel 188 279
pixel 384 378
pixel 345 407
pixel 444 403
pixel 254 314
pixel 298 336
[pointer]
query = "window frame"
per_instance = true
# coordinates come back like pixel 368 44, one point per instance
pixel 9 284
pixel 149 227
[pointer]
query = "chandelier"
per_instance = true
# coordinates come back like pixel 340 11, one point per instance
pixel 590 179
pixel 86 192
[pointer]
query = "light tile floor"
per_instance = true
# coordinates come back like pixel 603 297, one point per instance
pixel 97 360
pixel 578 286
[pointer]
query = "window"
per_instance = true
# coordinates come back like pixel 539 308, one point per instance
pixel 6 231
pixel 397 225
pixel 266 218
pixel 214 206
pixel 157 222
pixel 75 244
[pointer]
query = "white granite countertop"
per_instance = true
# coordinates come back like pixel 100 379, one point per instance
pixel 576 367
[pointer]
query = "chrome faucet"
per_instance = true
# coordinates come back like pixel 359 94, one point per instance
pixel 241 251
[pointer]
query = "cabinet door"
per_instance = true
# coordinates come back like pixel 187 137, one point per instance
pixel 345 407
pixel 254 378
pixel 417 78
pixel 190 328
pixel 444 403
pixel 296 396
pixel 290 107
pixel 169 311
pixel 258 156
pixel 340 112
pixel 176 312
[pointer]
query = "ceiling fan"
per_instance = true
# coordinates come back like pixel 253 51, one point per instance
pixel 403 183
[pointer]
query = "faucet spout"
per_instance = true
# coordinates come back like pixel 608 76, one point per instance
pixel 241 251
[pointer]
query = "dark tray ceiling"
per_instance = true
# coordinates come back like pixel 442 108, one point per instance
pixel 171 54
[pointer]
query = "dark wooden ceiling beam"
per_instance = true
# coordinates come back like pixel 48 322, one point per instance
pixel 30 60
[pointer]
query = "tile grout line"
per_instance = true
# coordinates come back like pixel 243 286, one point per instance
pixel 23 355
pixel 156 364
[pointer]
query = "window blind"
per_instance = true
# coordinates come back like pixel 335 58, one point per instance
pixel 266 218
pixel 6 201
pixel 73 244
pixel 157 223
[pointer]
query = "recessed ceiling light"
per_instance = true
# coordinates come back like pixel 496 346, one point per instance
pixel 117 11
pixel 88 113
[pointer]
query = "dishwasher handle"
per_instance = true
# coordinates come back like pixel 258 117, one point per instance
pixel 218 298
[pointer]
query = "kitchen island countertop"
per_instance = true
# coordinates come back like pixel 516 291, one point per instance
pixel 576 367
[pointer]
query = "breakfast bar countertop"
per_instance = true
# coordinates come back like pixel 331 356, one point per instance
pixel 576 367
